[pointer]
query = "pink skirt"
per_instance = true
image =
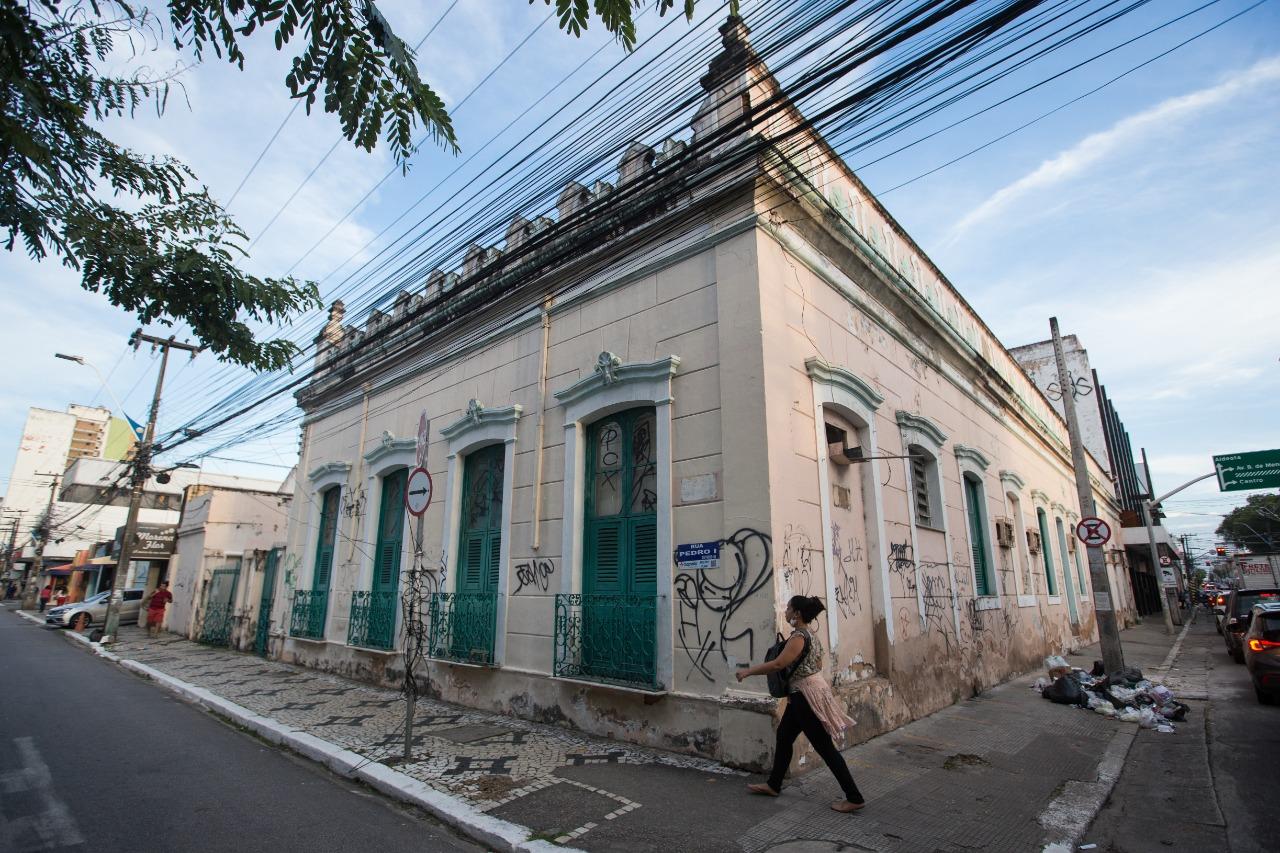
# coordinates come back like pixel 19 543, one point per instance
pixel 818 694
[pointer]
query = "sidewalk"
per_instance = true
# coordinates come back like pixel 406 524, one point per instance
pixel 1005 771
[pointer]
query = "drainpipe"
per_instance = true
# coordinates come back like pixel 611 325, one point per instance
pixel 542 414
pixel 359 478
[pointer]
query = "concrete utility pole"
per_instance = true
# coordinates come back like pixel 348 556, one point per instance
pixel 13 543
pixel 32 588
pixel 1103 609
pixel 139 474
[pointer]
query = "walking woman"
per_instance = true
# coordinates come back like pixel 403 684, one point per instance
pixel 811 706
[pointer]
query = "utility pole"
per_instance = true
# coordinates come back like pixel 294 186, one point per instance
pixel 1103 609
pixel 32 588
pixel 13 543
pixel 140 472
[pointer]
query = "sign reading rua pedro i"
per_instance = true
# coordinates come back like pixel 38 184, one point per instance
pixel 1238 472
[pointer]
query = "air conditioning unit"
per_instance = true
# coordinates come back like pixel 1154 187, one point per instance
pixel 1033 542
pixel 1004 532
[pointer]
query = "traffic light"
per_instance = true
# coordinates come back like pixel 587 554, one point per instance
pixel 1222 552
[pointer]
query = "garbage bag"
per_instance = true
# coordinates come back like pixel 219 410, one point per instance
pixel 1149 719
pixel 1066 691
pixel 1163 695
pixel 1053 662
pixel 1099 670
pixel 1129 715
pixel 1174 710
pixel 1130 676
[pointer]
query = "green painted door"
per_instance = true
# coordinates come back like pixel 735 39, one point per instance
pixel 620 554
pixel 480 530
pixel 977 542
pixel 266 600
pixel 471 618
pixel 324 543
pixel 386 567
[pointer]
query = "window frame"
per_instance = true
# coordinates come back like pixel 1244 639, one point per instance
pixel 973 464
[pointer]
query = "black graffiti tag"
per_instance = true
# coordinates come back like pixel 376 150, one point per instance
pixel 535 573
pixel 702 599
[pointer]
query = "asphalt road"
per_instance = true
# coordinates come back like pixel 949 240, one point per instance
pixel 1210 787
pixel 94 758
pixel 1244 753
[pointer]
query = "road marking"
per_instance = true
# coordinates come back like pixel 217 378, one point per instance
pixel 52 826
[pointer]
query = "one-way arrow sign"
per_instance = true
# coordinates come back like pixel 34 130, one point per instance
pixel 417 492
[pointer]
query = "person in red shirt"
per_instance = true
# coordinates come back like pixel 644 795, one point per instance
pixel 45 595
pixel 155 608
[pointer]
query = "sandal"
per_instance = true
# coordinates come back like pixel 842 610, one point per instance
pixel 846 806
pixel 762 789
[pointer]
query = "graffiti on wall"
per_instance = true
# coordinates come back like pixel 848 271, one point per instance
pixel 707 607
pixel 902 568
pixel 797 559
pixel 534 573
pixel 850 560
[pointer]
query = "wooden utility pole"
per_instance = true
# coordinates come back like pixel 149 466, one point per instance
pixel 1100 581
pixel 140 472
pixel 45 528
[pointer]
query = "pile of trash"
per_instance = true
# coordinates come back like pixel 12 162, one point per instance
pixel 1124 695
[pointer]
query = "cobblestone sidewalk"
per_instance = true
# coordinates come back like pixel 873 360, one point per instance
pixel 990 773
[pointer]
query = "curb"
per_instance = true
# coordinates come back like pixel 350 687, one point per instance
pixel 494 833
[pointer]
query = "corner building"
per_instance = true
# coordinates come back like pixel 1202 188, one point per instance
pixel 734 344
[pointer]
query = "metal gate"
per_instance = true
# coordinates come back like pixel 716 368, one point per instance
pixel 219 607
pixel 264 604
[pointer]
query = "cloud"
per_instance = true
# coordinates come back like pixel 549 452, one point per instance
pixel 1098 147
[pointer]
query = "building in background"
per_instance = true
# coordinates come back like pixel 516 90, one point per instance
pixel 1107 441
pixel 226 559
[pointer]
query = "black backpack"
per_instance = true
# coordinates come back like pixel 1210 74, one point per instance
pixel 779 681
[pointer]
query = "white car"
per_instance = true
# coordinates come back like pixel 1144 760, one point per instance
pixel 93 611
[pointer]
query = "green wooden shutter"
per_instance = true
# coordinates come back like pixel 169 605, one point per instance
pixel 324 542
pixel 604 554
pixel 644 554
pixel 471 557
pixel 386 573
pixel 493 560
pixel 973 495
pixel 1045 552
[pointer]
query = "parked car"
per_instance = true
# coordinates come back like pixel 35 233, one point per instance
pixel 1262 651
pixel 1236 616
pixel 93 611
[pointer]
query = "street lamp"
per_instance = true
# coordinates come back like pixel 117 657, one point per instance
pixel 79 359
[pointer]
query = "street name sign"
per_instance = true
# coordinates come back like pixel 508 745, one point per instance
pixel 417 492
pixel 1238 472
pixel 1093 532
pixel 698 555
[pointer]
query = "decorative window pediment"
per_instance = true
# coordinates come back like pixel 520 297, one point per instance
pixel 1012 481
pixel 828 374
pixel 479 417
pixel 388 445
pixel 925 430
pixel 328 470
pixel 972 455
pixel 610 373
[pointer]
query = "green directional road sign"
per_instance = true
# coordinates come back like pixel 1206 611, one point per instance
pixel 1238 472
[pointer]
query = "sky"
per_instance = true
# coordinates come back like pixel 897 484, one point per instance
pixel 1144 215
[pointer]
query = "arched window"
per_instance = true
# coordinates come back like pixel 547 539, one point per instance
pixel 976 513
pixel 1045 545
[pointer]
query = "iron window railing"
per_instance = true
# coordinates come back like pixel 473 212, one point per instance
pixel 463 626
pixel 607 638
pixel 306 618
pixel 373 619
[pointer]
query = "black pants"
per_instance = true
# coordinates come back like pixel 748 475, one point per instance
pixel 799 717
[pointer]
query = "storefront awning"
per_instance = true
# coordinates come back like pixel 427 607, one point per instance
pixel 100 561
pixel 59 570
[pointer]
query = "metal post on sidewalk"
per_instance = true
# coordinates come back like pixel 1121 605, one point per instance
pixel 139 473
pixel 1099 580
